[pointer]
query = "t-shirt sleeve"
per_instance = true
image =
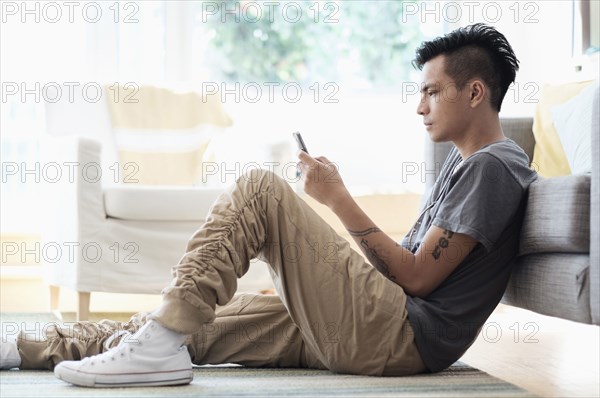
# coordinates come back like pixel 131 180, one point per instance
pixel 482 200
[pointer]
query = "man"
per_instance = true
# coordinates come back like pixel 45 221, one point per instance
pixel 417 306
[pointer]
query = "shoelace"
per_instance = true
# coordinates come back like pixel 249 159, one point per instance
pixel 109 341
pixel 114 352
pixel 121 349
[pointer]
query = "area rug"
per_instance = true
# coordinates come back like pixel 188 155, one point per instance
pixel 460 380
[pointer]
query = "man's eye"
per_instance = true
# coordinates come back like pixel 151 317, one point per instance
pixel 430 93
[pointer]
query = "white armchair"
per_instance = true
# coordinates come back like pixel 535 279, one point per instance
pixel 112 237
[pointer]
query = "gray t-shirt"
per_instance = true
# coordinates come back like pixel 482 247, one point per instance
pixel 484 197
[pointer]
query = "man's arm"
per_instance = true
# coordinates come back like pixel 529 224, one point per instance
pixel 419 274
pixel 439 254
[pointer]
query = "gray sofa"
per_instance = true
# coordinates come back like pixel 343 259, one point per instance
pixel 557 271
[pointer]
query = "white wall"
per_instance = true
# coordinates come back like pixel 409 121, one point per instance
pixel 541 34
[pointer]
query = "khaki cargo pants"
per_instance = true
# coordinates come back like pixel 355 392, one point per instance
pixel 333 310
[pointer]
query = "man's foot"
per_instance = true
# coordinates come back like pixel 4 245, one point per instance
pixel 9 354
pixel 148 358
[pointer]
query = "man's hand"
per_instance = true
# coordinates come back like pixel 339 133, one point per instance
pixel 322 180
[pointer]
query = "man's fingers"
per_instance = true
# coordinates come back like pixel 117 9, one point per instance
pixel 305 157
pixel 323 159
pixel 302 166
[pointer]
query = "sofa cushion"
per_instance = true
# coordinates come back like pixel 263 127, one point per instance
pixel 553 284
pixel 557 218
pixel 159 203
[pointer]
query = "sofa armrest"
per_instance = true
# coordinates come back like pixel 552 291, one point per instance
pixel 517 129
pixel 72 199
pixel 595 217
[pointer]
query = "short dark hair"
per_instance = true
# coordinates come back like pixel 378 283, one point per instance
pixel 473 51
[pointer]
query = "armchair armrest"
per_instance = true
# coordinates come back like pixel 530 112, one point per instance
pixel 71 197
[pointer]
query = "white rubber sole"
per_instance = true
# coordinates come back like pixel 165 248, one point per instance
pixel 141 379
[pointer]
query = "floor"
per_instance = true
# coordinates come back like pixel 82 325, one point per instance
pixel 458 381
pixel 547 356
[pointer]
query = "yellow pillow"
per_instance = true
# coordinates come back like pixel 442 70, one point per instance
pixel 549 158
pixel 149 107
pixel 162 136
pixel 163 168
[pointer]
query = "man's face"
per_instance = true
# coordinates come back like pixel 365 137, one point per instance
pixel 444 106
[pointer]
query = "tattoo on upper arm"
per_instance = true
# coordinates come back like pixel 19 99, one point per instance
pixel 442 244
pixel 364 232
pixel 376 260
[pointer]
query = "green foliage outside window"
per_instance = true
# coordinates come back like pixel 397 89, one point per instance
pixel 362 43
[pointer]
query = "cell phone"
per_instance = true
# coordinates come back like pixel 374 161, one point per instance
pixel 300 141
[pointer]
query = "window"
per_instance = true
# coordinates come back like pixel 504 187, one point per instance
pixel 339 72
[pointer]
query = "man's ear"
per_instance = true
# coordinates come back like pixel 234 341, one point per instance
pixel 477 93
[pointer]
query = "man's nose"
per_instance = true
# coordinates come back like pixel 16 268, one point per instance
pixel 422 107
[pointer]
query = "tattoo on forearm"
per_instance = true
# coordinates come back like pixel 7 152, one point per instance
pixel 364 232
pixel 376 260
pixel 442 244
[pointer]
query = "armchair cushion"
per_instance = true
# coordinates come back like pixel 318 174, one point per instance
pixel 159 203
pixel 557 218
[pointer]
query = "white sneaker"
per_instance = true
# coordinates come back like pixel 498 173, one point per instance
pixel 138 360
pixel 9 354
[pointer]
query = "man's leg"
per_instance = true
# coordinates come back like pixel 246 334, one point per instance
pixel 72 341
pixel 351 318
pixel 253 330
